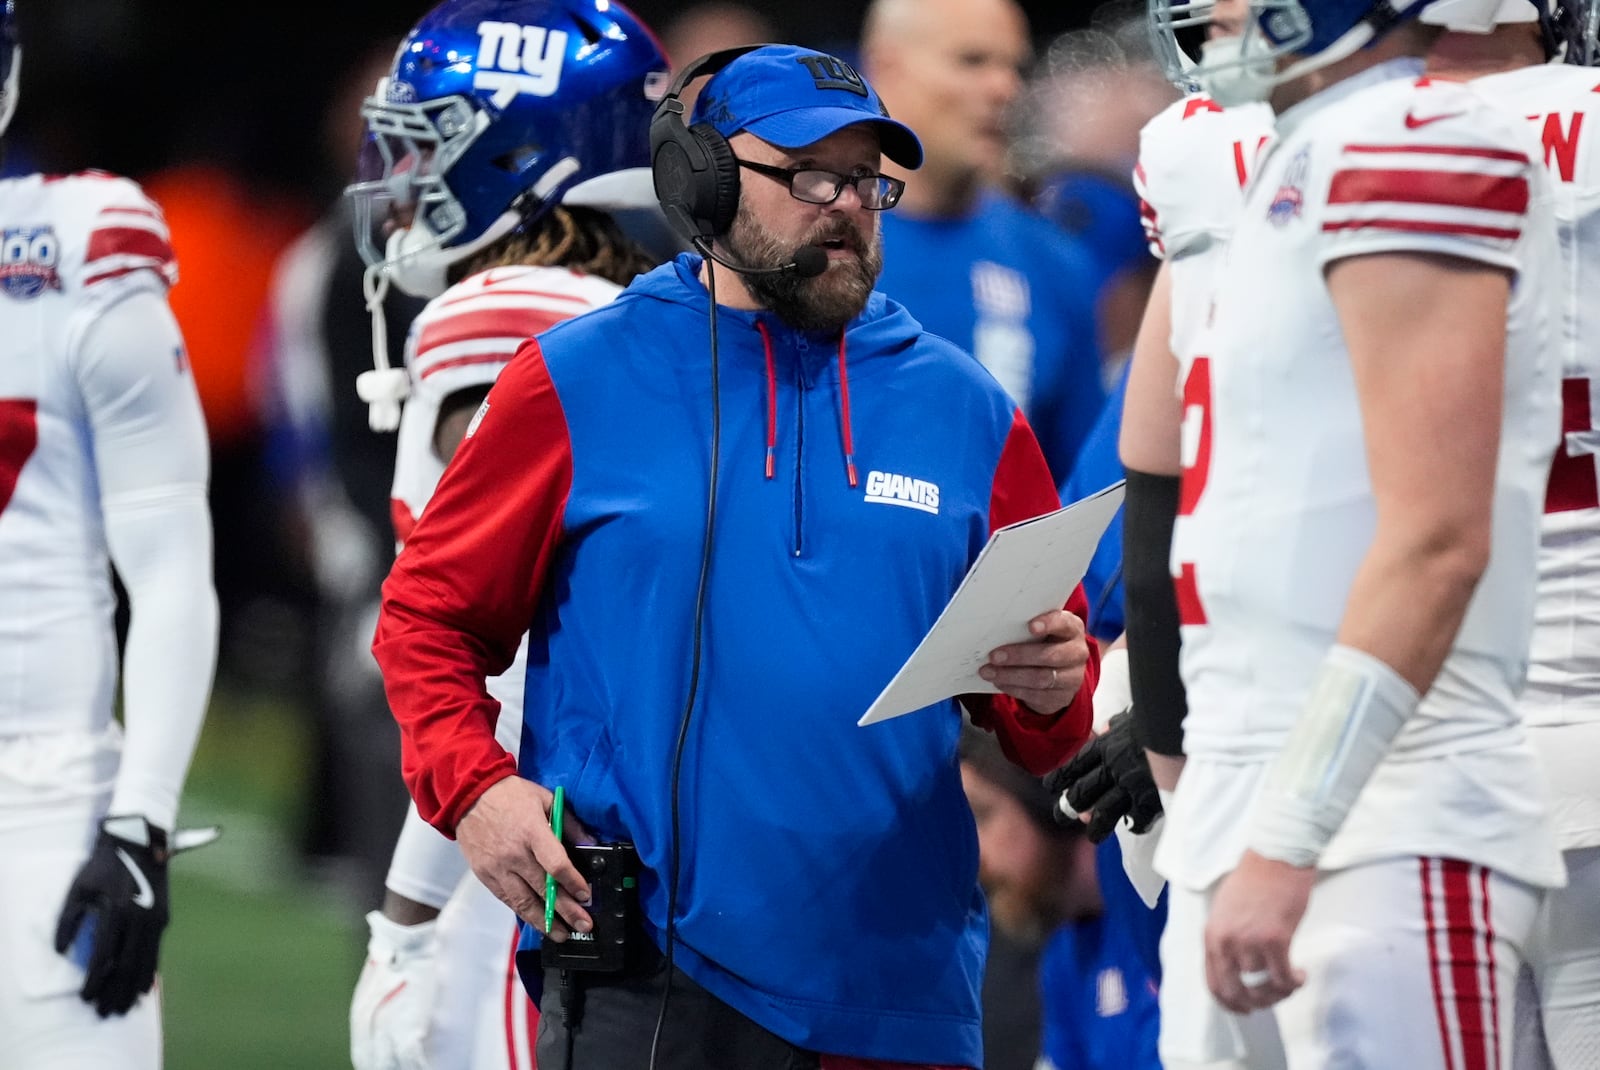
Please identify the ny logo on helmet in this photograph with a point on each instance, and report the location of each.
(516, 59)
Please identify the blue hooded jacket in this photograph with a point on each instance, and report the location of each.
(828, 873)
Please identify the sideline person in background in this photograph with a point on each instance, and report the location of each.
(1072, 974)
(972, 264)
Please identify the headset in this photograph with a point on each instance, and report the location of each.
(696, 175)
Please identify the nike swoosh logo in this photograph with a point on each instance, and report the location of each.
(144, 899)
(1413, 123)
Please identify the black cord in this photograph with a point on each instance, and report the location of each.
(694, 671)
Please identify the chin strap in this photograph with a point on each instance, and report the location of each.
(383, 388)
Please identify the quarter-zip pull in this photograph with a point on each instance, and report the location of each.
(772, 399)
(844, 416)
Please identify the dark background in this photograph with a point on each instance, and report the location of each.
(135, 85)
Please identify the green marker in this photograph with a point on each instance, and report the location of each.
(550, 878)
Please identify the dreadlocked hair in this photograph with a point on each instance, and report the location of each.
(583, 239)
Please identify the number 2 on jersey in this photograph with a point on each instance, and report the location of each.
(1574, 483)
(19, 434)
(1196, 467)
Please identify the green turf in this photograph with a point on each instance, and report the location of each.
(255, 981)
(259, 962)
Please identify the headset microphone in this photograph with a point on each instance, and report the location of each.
(809, 262)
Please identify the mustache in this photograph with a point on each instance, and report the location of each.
(839, 230)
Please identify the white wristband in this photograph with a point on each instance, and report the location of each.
(1356, 707)
(1113, 692)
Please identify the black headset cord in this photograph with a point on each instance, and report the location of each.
(694, 670)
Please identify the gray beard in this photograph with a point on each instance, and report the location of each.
(824, 304)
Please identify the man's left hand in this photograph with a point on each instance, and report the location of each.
(1253, 917)
(1046, 672)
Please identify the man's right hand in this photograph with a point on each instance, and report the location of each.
(507, 839)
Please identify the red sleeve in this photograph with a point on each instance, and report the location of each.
(1039, 743)
(466, 586)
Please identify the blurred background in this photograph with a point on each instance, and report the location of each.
(242, 123)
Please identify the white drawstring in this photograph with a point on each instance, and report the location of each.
(383, 388)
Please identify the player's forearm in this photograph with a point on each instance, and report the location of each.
(1165, 770)
(1411, 594)
(162, 546)
(403, 910)
(1406, 605)
(423, 873)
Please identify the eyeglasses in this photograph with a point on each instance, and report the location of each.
(814, 186)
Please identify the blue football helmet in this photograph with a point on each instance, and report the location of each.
(10, 62)
(1244, 68)
(493, 111)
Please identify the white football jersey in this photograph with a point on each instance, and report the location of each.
(462, 339)
(1277, 509)
(70, 248)
(1563, 103)
(1195, 160)
(1562, 697)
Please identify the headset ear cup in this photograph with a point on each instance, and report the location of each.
(721, 187)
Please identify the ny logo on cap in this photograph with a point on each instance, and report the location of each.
(830, 72)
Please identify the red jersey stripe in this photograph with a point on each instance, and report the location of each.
(1462, 948)
(127, 241)
(583, 303)
(1446, 150)
(501, 357)
(519, 323)
(1424, 226)
(1492, 1030)
(166, 270)
(1457, 189)
(1435, 935)
(148, 213)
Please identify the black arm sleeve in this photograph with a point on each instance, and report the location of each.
(1159, 702)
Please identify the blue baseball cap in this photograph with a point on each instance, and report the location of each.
(794, 97)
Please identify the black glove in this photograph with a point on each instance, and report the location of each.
(1111, 777)
(120, 895)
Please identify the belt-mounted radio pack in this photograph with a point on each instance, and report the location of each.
(612, 870)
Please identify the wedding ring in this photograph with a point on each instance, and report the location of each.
(1254, 978)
